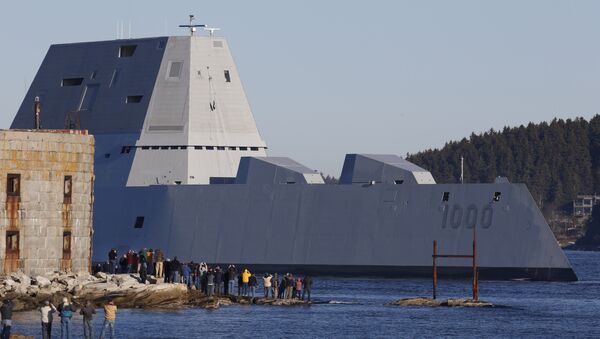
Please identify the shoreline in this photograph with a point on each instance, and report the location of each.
(29, 293)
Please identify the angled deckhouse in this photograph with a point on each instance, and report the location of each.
(180, 165)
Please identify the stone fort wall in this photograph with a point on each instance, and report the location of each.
(46, 200)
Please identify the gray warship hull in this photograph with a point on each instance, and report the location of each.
(180, 166)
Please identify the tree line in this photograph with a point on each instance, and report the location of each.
(557, 160)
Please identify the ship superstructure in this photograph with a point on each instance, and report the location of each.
(181, 166)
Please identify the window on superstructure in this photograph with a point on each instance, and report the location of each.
(227, 76)
(243, 148)
(127, 51)
(497, 196)
(254, 148)
(175, 68)
(197, 147)
(220, 148)
(398, 182)
(446, 196)
(139, 222)
(66, 82)
(210, 148)
(134, 99)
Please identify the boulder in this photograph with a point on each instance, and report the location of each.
(41, 281)
(102, 275)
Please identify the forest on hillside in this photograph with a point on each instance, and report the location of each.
(557, 160)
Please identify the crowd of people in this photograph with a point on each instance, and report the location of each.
(210, 280)
(66, 310)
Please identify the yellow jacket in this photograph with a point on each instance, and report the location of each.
(246, 276)
(110, 312)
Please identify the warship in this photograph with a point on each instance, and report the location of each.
(180, 165)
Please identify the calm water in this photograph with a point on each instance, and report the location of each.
(535, 309)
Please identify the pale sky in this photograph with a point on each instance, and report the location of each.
(326, 78)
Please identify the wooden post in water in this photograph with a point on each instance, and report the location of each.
(475, 278)
(434, 256)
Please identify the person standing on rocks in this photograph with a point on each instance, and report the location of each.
(307, 284)
(88, 314)
(210, 283)
(6, 312)
(112, 261)
(253, 284)
(267, 283)
(46, 312)
(298, 288)
(187, 272)
(150, 262)
(129, 261)
(175, 270)
(245, 280)
(275, 284)
(231, 277)
(65, 310)
(289, 286)
(143, 269)
(167, 271)
(123, 264)
(110, 315)
(218, 281)
(159, 259)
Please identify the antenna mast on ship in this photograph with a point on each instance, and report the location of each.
(191, 26)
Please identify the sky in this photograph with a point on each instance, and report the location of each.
(327, 78)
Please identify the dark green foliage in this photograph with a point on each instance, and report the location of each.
(557, 160)
(592, 235)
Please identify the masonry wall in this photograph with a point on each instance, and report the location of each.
(44, 212)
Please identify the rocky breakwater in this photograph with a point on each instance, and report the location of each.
(429, 302)
(125, 289)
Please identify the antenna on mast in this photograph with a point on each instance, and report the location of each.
(191, 26)
(211, 30)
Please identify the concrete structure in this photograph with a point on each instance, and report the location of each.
(180, 165)
(46, 199)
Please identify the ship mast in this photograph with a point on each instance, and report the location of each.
(191, 26)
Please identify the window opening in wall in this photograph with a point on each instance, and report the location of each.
(243, 148)
(175, 69)
(232, 148)
(227, 77)
(446, 196)
(125, 149)
(89, 97)
(290, 182)
(133, 99)
(67, 189)
(114, 78)
(497, 196)
(139, 222)
(164, 147)
(177, 182)
(398, 182)
(220, 148)
(145, 147)
(197, 147)
(71, 82)
(13, 185)
(174, 147)
(254, 148)
(182, 147)
(155, 147)
(210, 148)
(12, 241)
(127, 51)
(66, 245)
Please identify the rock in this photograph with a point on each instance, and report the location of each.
(21, 278)
(279, 302)
(101, 275)
(20, 336)
(466, 303)
(418, 301)
(429, 302)
(41, 281)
